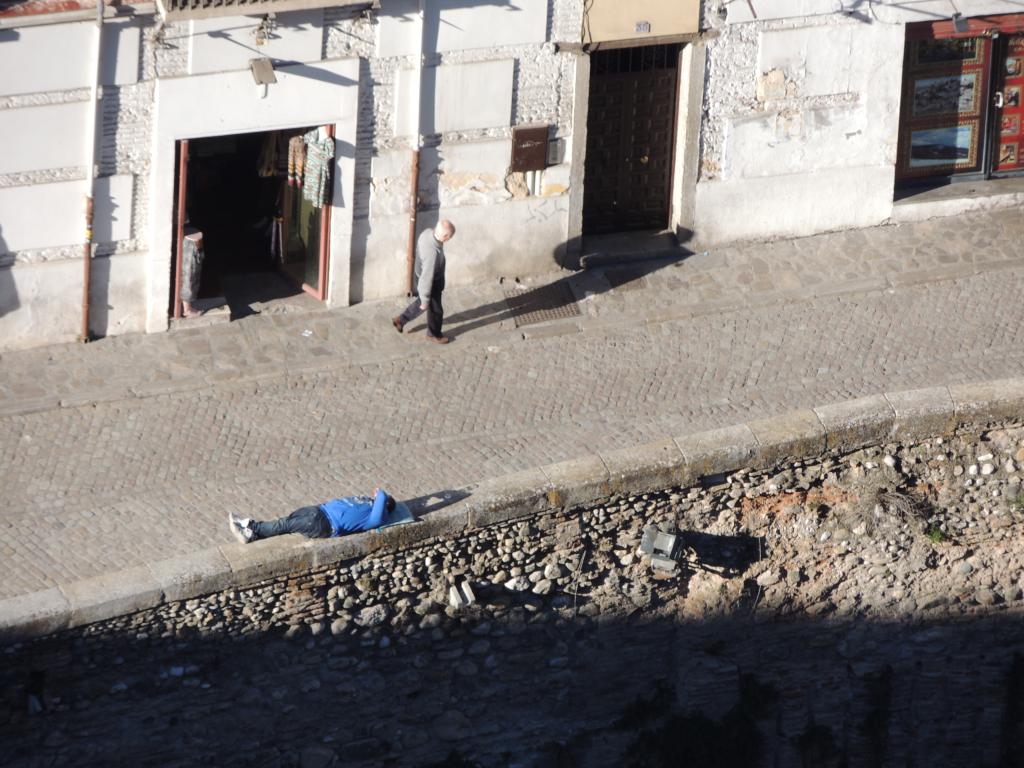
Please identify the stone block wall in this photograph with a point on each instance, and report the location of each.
(857, 608)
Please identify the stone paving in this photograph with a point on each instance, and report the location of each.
(133, 448)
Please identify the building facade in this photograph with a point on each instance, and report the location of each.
(532, 124)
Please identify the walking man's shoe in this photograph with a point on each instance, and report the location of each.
(397, 322)
(438, 339)
(240, 528)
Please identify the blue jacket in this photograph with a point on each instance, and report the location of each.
(355, 513)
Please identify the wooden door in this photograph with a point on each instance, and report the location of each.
(630, 132)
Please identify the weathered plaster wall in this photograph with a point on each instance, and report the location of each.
(801, 125)
(369, 245)
(465, 171)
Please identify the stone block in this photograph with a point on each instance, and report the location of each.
(268, 559)
(718, 450)
(793, 435)
(33, 615)
(199, 573)
(576, 482)
(922, 413)
(649, 467)
(988, 402)
(857, 423)
(340, 549)
(450, 521)
(117, 593)
(506, 498)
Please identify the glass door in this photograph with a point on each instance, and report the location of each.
(944, 107)
(1009, 106)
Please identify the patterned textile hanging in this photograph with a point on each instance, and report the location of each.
(319, 153)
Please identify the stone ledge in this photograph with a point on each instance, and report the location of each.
(922, 413)
(718, 450)
(988, 402)
(645, 468)
(577, 481)
(790, 436)
(111, 594)
(34, 614)
(199, 573)
(910, 415)
(857, 423)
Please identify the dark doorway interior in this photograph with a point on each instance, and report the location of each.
(234, 198)
(630, 139)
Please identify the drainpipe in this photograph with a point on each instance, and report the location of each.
(90, 132)
(415, 159)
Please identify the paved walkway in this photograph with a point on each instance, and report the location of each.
(132, 449)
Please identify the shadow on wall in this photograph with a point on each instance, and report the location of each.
(99, 297)
(8, 290)
(519, 679)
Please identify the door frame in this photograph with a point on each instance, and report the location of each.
(181, 200)
(686, 147)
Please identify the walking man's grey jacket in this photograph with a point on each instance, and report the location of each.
(429, 264)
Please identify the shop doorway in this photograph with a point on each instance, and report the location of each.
(261, 204)
(962, 113)
(630, 139)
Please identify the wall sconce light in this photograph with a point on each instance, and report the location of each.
(959, 22)
(262, 71)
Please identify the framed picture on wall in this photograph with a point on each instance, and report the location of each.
(1013, 96)
(1009, 125)
(945, 95)
(932, 52)
(1013, 67)
(1008, 154)
(952, 146)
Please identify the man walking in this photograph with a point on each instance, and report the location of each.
(429, 273)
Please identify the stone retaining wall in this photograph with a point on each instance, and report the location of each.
(848, 593)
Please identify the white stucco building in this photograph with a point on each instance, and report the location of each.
(531, 123)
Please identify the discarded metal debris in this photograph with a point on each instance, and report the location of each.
(661, 547)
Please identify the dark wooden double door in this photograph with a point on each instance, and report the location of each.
(630, 132)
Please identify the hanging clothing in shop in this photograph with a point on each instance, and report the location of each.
(267, 164)
(319, 153)
(296, 160)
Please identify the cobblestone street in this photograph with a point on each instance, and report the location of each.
(133, 449)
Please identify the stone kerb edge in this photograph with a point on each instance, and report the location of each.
(665, 463)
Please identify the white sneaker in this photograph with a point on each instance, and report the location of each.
(240, 528)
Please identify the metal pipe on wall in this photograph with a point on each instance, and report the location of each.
(90, 176)
(415, 161)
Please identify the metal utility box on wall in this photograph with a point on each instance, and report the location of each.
(529, 148)
(608, 20)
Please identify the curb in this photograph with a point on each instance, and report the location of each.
(665, 463)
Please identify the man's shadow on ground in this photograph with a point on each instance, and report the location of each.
(431, 502)
(555, 296)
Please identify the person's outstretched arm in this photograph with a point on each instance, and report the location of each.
(377, 513)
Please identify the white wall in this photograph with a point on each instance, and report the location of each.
(47, 215)
(60, 56)
(877, 11)
(219, 104)
(456, 97)
(454, 25)
(223, 44)
(802, 128)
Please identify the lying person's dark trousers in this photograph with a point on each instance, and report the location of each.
(309, 521)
